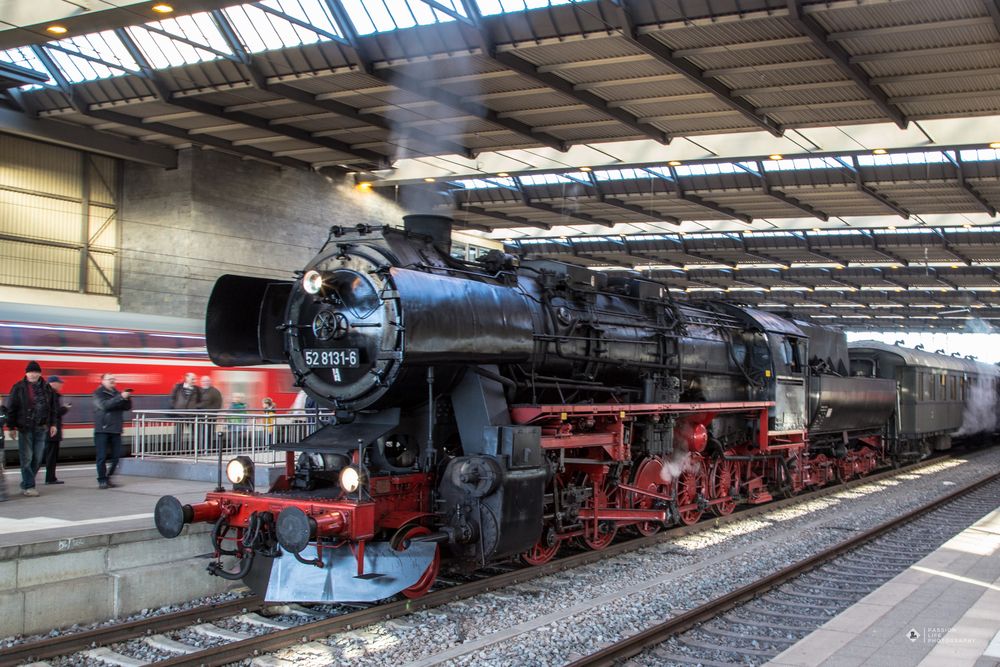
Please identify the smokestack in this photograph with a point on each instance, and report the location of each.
(438, 227)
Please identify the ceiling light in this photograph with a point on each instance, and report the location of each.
(879, 151)
(585, 169)
(967, 226)
(892, 228)
(162, 8)
(816, 229)
(674, 163)
(503, 174)
(995, 144)
(364, 186)
(748, 231)
(57, 29)
(428, 180)
(775, 156)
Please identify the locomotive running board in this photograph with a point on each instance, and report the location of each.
(337, 580)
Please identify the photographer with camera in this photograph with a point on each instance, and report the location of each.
(110, 406)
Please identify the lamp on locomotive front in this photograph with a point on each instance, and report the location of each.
(239, 471)
(351, 479)
(312, 282)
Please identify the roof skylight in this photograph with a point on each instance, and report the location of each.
(493, 7)
(184, 40)
(276, 24)
(23, 56)
(371, 16)
(89, 57)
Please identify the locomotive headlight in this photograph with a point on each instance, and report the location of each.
(350, 479)
(240, 470)
(312, 282)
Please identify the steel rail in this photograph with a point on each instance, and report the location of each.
(67, 644)
(249, 648)
(657, 634)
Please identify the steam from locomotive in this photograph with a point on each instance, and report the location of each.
(499, 409)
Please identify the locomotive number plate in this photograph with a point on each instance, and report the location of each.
(343, 358)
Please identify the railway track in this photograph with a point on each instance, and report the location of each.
(231, 646)
(70, 643)
(760, 620)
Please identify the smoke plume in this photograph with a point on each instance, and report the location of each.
(980, 407)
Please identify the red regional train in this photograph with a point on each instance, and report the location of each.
(148, 353)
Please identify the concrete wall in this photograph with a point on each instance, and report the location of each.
(217, 214)
(84, 579)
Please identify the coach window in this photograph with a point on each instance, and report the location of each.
(8, 335)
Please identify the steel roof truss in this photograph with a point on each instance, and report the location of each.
(769, 190)
(241, 117)
(303, 97)
(488, 46)
(700, 255)
(512, 220)
(81, 106)
(882, 250)
(822, 255)
(422, 88)
(947, 245)
(558, 210)
(956, 161)
(842, 59)
(865, 189)
(603, 198)
(698, 201)
(665, 55)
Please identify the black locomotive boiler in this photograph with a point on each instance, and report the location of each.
(498, 409)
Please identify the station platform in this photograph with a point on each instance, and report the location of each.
(77, 554)
(943, 611)
(78, 508)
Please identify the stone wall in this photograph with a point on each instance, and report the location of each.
(217, 214)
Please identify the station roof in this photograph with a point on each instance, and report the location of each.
(366, 83)
(716, 134)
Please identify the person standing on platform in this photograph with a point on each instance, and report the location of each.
(3, 482)
(30, 417)
(211, 399)
(110, 406)
(51, 457)
(186, 395)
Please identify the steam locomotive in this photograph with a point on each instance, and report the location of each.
(500, 409)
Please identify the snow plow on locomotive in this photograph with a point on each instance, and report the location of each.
(492, 410)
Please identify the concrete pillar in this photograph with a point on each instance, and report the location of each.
(217, 214)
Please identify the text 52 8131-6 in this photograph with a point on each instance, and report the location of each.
(343, 358)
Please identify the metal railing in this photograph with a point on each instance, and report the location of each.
(204, 434)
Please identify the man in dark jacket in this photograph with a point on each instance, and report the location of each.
(186, 395)
(211, 398)
(31, 416)
(3, 422)
(51, 457)
(109, 416)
